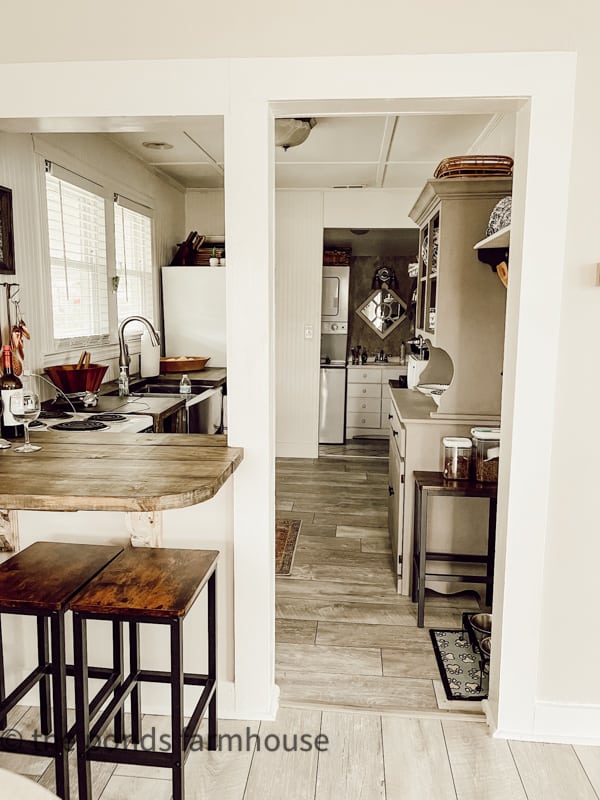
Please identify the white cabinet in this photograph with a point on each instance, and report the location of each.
(460, 303)
(457, 525)
(367, 399)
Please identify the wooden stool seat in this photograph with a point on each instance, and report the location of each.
(151, 586)
(167, 582)
(40, 581)
(46, 575)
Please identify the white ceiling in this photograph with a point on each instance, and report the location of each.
(389, 151)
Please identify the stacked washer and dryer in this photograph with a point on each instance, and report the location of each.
(334, 340)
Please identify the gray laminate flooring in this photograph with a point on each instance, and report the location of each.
(345, 638)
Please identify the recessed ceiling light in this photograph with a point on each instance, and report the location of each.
(157, 145)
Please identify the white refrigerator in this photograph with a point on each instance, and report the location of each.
(194, 312)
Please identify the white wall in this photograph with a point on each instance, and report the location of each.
(205, 211)
(298, 270)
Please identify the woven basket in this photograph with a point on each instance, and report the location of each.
(474, 166)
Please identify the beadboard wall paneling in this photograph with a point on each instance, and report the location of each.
(18, 172)
(205, 211)
(298, 270)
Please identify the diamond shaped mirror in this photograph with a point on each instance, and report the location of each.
(383, 311)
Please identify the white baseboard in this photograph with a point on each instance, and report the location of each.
(561, 724)
(296, 450)
(242, 712)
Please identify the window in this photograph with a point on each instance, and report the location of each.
(133, 248)
(78, 266)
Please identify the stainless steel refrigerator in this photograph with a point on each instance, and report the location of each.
(332, 404)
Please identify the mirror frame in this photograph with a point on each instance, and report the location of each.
(370, 299)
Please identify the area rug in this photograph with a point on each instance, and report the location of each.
(286, 539)
(460, 665)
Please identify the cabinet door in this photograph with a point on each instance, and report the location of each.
(396, 504)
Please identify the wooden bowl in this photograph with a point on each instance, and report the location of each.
(71, 380)
(183, 363)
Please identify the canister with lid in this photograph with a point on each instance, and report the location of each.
(486, 444)
(456, 454)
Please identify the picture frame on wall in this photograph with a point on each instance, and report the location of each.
(7, 247)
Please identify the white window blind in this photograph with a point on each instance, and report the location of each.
(133, 246)
(78, 269)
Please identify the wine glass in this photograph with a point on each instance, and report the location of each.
(25, 408)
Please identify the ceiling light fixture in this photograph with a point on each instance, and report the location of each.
(359, 231)
(157, 145)
(292, 132)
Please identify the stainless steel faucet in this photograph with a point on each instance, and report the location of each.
(124, 358)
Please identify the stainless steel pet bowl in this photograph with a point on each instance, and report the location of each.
(482, 623)
(486, 646)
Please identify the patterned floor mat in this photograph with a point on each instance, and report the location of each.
(460, 665)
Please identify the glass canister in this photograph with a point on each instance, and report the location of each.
(456, 454)
(486, 445)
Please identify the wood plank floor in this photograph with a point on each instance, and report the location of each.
(345, 638)
(357, 756)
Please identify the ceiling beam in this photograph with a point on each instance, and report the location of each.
(384, 150)
(212, 161)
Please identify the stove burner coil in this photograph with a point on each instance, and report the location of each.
(80, 425)
(57, 414)
(110, 417)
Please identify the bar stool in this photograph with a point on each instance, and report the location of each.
(39, 581)
(156, 586)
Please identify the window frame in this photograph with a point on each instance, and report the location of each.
(54, 351)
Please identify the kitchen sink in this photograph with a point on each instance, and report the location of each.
(154, 388)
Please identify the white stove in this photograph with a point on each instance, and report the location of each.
(56, 421)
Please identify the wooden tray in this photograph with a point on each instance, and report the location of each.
(183, 363)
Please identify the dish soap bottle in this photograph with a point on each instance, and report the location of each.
(185, 386)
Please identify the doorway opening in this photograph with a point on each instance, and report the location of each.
(343, 630)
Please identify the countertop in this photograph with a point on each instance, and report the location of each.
(123, 472)
(413, 406)
(211, 377)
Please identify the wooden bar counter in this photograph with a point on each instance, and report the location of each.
(140, 489)
(115, 472)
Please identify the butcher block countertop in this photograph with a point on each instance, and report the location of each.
(123, 472)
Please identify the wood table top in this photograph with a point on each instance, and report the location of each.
(116, 472)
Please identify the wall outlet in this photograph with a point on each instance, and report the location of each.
(308, 331)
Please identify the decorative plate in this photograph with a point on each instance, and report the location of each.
(425, 249)
(500, 216)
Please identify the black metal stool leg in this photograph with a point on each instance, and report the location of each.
(212, 660)
(177, 748)
(422, 556)
(82, 714)
(43, 647)
(59, 701)
(491, 553)
(2, 684)
(117, 638)
(134, 666)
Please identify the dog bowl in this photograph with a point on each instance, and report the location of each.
(486, 646)
(482, 623)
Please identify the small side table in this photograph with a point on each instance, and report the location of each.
(433, 484)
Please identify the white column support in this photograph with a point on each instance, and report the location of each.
(145, 528)
(9, 531)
